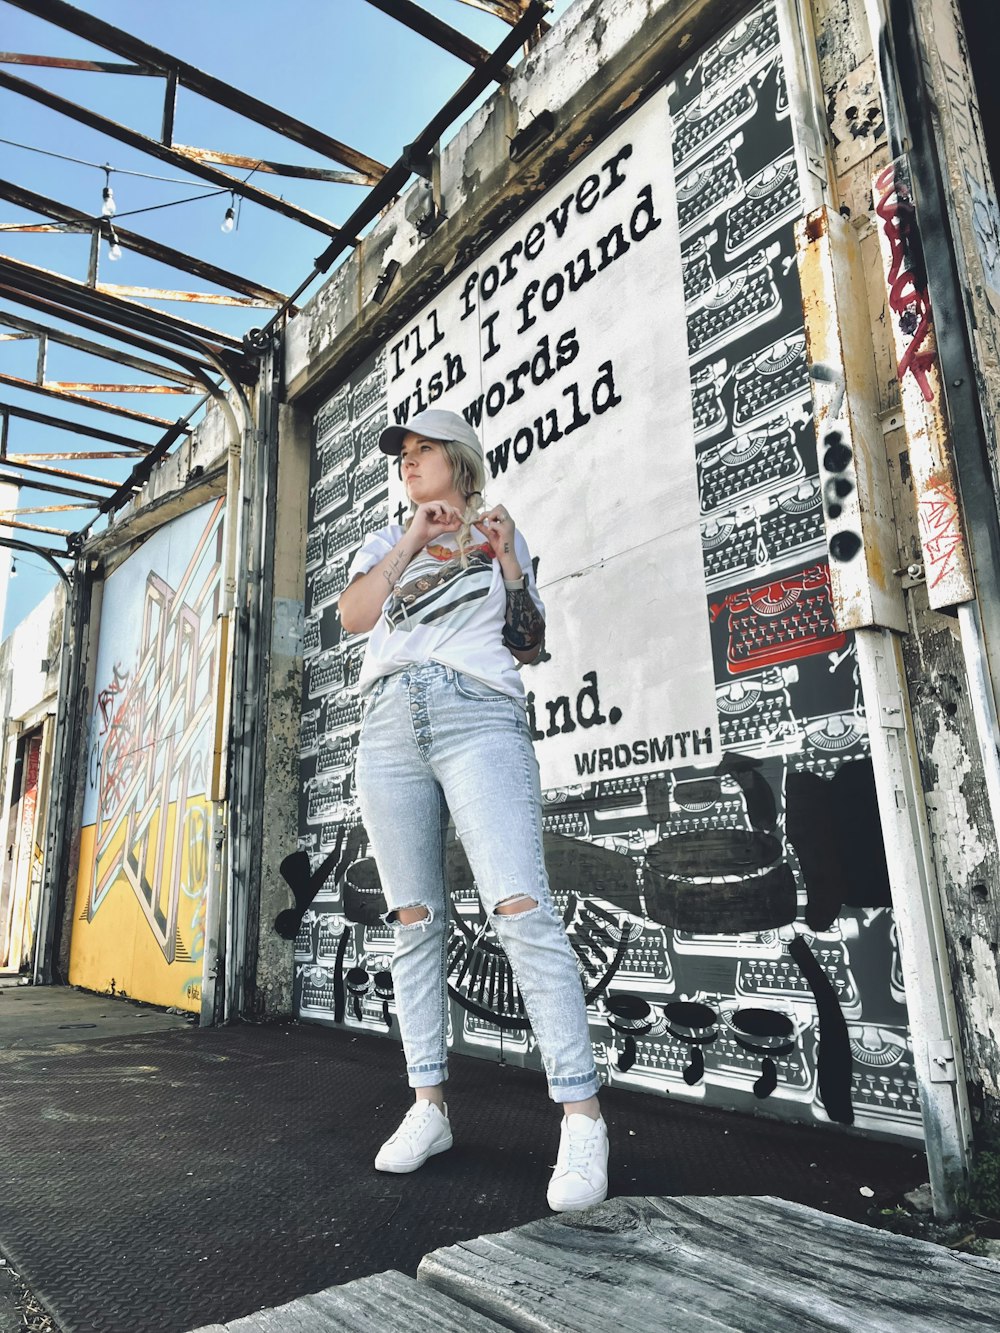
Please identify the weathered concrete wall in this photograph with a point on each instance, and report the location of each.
(273, 982)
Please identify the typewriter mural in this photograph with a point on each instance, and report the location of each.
(145, 842)
(723, 880)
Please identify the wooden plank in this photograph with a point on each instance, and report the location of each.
(689, 1265)
(368, 1305)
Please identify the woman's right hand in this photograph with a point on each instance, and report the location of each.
(430, 520)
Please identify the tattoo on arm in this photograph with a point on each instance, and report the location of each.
(392, 569)
(523, 627)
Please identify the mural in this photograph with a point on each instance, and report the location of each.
(145, 843)
(20, 884)
(711, 830)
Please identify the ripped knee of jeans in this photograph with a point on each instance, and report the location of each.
(408, 917)
(520, 905)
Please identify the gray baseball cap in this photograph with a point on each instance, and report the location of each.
(434, 424)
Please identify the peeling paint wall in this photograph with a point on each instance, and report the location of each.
(963, 837)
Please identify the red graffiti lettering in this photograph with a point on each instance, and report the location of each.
(908, 297)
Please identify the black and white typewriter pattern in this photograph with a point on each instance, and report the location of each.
(727, 921)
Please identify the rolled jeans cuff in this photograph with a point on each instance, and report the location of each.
(578, 1089)
(426, 1076)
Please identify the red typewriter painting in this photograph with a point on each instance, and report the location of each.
(780, 621)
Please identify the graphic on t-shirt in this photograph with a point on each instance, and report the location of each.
(439, 588)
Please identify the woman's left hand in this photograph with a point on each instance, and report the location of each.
(498, 526)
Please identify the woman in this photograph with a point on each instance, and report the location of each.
(451, 603)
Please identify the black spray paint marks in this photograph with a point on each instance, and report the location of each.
(631, 1016)
(834, 826)
(763, 900)
(758, 793)
(696, 1024)
(339, 994)
(767, 1033)
(304, 886)
(833, 1062)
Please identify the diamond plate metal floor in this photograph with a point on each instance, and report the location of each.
(170, 1179)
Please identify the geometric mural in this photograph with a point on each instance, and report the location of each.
(711, 830)
(145, 844)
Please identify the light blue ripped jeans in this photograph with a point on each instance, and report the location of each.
(434, 740)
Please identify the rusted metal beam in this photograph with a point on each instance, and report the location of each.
(64, 473)
(398, 174)
(103, 125)
(12, 479)
(140, 473)
(32, 527)
(29, 386)
(42, 509)
(92, 432)
(196, 366)
(75, 386)
(441, 34)
(189, 298)
(141, 245)
(81, 296)
(46, 552)
(75, 454)
(122, 43)
(260, 164)
(62, 62)
(38, 227)
(29, 328)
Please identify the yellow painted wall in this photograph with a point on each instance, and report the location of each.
(114, 949)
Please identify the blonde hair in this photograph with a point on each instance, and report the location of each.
(468, 476)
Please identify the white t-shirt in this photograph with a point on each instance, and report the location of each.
(440, 612)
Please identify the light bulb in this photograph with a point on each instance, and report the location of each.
(229, 222)
(13, 570)
(114, 251)
(109, 205)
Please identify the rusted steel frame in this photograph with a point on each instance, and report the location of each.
(140, 473)
(122, 43)
(196, 367)
(41, 509)
(65, 454)
(509, 11)
(260, 164)
(154, 148)
(31, 329)
(29, 386)
(141, 245)
(32, 527)
(46, 553)
(14, 337)
(92, 432)
(189, 298)
(36, 228)
(62, 472)
(13, 480)
(441, 34)
(74, 386)
(61, 62)
(29, 277)
(399, 173)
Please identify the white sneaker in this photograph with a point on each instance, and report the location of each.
(424, 1131)
(580, 1178)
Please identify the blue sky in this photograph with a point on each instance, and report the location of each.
(339, 65)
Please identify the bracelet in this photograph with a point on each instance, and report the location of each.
(516, 585)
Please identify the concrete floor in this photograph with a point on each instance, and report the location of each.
(32, 1016)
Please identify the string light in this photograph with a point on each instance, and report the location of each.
(108, 207)
(13, 569)
(114, 249)
(229, 222)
